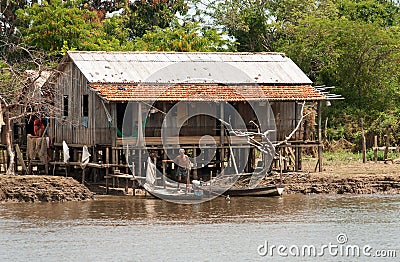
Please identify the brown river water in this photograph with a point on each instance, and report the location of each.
(292, 227)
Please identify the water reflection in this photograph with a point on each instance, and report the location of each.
(237, 210)
(132, 229)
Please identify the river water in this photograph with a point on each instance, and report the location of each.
(292, 227)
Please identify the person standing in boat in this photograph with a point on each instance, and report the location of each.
(183, 166)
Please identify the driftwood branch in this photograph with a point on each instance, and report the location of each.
(266, 146)
(296, 128)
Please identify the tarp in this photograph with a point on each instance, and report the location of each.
(150, 172)
(85, 156)
(65, 151)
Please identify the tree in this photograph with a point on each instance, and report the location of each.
(145, 15)
(385, 13)
(58, 26)
(20, 95)
(190, 37)
(257, 25)
(54, 26)
(357, 54)
(350, 44)
(8, 18)
(359, 58)
(249, 22)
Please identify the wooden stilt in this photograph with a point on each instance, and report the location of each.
(83, 176)
(319, 137)
(376, 149)
(20, 158)
(194, 164)
(107, 169)
(364, 145)
(296, 149)
(222, 135)
(387, 143)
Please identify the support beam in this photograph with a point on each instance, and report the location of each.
(222, 134)
(319, 137)
(296, 150)
(364, 143)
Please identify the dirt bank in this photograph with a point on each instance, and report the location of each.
(345, 178)
(42, 189)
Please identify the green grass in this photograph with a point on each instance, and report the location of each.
(343, 157)
(381, 153)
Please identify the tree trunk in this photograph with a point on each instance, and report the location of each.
(10, 150)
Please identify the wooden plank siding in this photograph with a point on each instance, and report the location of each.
(99, 131)
(73, 84)
(286, 119)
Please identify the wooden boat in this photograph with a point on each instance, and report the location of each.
(198, 190)
(177, 194)
(262, 191)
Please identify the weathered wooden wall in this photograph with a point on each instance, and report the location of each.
(74, 128)
(287, 115)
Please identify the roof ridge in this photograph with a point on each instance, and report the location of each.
(172, 52)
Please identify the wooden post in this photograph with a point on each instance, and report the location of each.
(387, 143)
(376, 149)
(20, 158)
(133, 179)
(140, 166)
(364, 146)
(67, 169)
(83, 176)
(296, 149)
(326, 128)
(107, 170)
(164, 172)
(285, 160)
(299, 157)
(319, 137)
(222, 135)
(140, 142)
(194, 164)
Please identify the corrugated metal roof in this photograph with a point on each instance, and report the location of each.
(151, 67)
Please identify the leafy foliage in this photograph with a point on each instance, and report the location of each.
(350, 44)
(58, 26)
(190, 37)
(52, 25)
(248, 22)
(145, 15)
(8, 17)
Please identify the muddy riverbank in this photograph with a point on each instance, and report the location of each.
(360, 184)
(42, 189)
(344, 178)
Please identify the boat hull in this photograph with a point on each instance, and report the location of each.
(175, 194)
(264, 191)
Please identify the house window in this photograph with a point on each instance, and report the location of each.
(85, 105)
(85, 110)
(65, 106)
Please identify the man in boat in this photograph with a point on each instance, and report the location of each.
(183, 166)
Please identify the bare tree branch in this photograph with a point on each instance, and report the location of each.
(266, 146)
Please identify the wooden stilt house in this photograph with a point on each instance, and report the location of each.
(139, 99)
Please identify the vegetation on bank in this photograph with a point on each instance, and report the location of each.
(349, 157)
(350, 44)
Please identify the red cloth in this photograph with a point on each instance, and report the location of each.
(38, 127)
